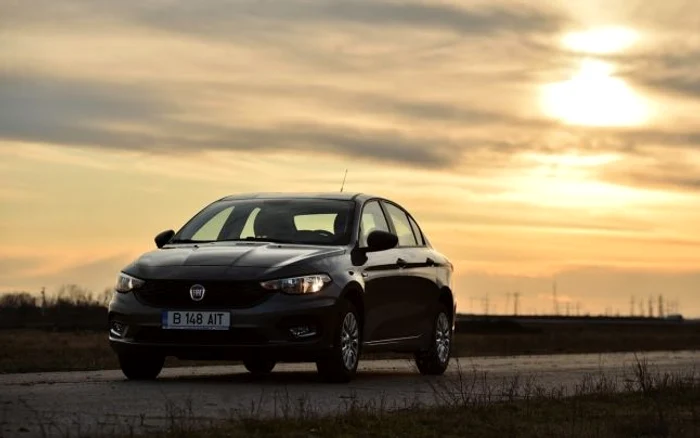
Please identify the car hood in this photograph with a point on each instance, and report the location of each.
(238, 254)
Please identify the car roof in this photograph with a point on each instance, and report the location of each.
(337, 196)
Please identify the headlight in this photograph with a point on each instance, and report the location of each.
(309, 284)
(127, 283)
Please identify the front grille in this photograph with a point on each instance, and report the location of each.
(235, 336)
(175, 294)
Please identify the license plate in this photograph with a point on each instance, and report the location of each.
(196, 320)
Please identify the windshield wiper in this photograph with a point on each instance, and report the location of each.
(256, 239)
(247, 239)
(191, 241)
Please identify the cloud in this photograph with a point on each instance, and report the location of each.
(670, 69)
(377, 144)
(135, 118)
(63, 111)
(662, 174)
(468, 113)
(658, 159)
(375, 112)
(681, 85)
(227, 17)
(539, 220)
(678, 137)
(445, 111)
(690, 183)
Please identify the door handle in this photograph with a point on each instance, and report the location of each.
(401, 263)
(430, 262)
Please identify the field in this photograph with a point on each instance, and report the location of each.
(34, 350)
(68, 332)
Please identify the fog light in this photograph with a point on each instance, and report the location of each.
(117, 329)
(303, 331)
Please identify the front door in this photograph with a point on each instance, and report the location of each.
(385, 303)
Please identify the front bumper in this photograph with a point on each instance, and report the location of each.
(263, 330)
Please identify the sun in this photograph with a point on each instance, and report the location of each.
(602, 40)
(594, 97)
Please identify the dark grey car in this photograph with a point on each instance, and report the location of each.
(287, 277)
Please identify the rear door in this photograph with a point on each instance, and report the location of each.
(417, 269)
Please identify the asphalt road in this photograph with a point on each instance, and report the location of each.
(101, 403)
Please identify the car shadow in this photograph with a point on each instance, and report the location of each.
(290, 377)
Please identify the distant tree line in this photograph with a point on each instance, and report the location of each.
(71, 308)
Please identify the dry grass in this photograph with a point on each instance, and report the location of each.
(614, 416)
(645, 405)
(36, 350)
(591, 340)
(28, 351)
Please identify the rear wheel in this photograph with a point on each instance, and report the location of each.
(141, 367)
(435, 359)
(341, 363)
(258, 366)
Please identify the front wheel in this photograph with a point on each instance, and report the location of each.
(435, 359)
(341, 363)
(141, 367)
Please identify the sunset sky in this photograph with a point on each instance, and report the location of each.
(532, 141)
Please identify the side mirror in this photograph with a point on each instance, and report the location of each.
(381, 241)
(164, 238)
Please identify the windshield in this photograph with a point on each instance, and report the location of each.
(302, 221)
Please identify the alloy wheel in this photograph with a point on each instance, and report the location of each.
(442, 337)
(350, 341)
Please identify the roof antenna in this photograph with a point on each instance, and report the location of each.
(343, 185)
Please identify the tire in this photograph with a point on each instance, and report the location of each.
(340, 365)
(434, 360)
(141, 367)
(259, 367)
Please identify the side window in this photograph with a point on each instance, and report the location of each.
(402, 225)
(212, 229)
(372, 219)
(417, 232)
